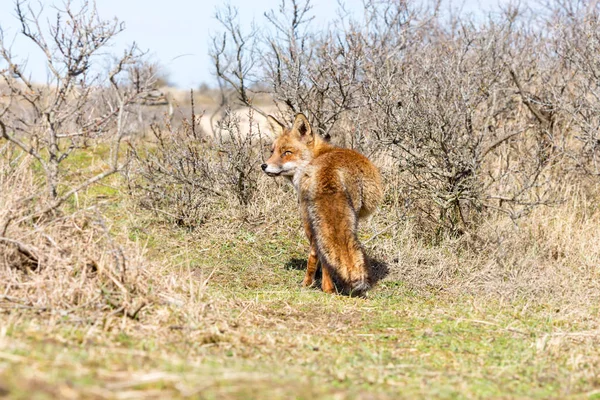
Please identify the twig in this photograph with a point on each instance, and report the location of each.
(123, 310)
(23, 248)
(384, 230)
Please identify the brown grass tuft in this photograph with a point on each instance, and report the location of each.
(80, 267)
(549, 257)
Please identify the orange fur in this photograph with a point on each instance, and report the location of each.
(335, 188)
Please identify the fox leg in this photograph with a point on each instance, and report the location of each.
(326, 282)
(311, 265)
(313, 259)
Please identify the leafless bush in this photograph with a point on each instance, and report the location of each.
(574, 39)
(450, 115)
(174, 179)
(82, 100)
(187, 173)
(239, 155)
(299, 70)
(68, 252)
(475, 116)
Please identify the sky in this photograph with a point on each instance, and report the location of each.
(176, 33)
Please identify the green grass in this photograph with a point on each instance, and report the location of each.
(305, 343)
(259, 335)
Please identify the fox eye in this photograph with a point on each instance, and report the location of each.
(286, 153)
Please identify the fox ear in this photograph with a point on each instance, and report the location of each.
(302, 127)
(276, 126)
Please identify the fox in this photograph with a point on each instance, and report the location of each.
(336, 188)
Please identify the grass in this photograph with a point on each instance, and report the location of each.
(227, 319)
(281, 343)
(274, 340)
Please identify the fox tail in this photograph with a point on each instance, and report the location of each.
(333, 222)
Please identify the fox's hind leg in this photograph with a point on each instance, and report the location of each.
(313, 261)
(327, 283)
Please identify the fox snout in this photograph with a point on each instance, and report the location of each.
(271, 170)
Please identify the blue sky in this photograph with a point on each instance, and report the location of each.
(177, 33)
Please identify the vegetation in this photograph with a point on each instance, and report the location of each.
(143, 253)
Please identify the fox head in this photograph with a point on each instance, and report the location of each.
(292, 149)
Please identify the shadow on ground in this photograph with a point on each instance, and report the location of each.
(295, 264)
(379, 269)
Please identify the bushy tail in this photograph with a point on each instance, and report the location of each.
(333, 222)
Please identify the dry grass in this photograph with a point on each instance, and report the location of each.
(120, 303)
(195, 292)
(78, 267)
(551, 256)
(217, 312)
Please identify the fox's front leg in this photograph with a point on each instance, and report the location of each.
(313, 259)
(311, 266)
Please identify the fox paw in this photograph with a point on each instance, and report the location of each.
(308, 283)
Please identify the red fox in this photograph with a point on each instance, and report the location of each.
(335, 187)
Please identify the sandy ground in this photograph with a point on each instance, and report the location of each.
(206, 105)
(209, 121)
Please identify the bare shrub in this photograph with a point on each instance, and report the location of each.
(450, 116)
(186, 173)
(468, 118)
(289, 61)
(83, 99)
(54, 255)
(574, 39)
(239, 154)
(173, 178)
